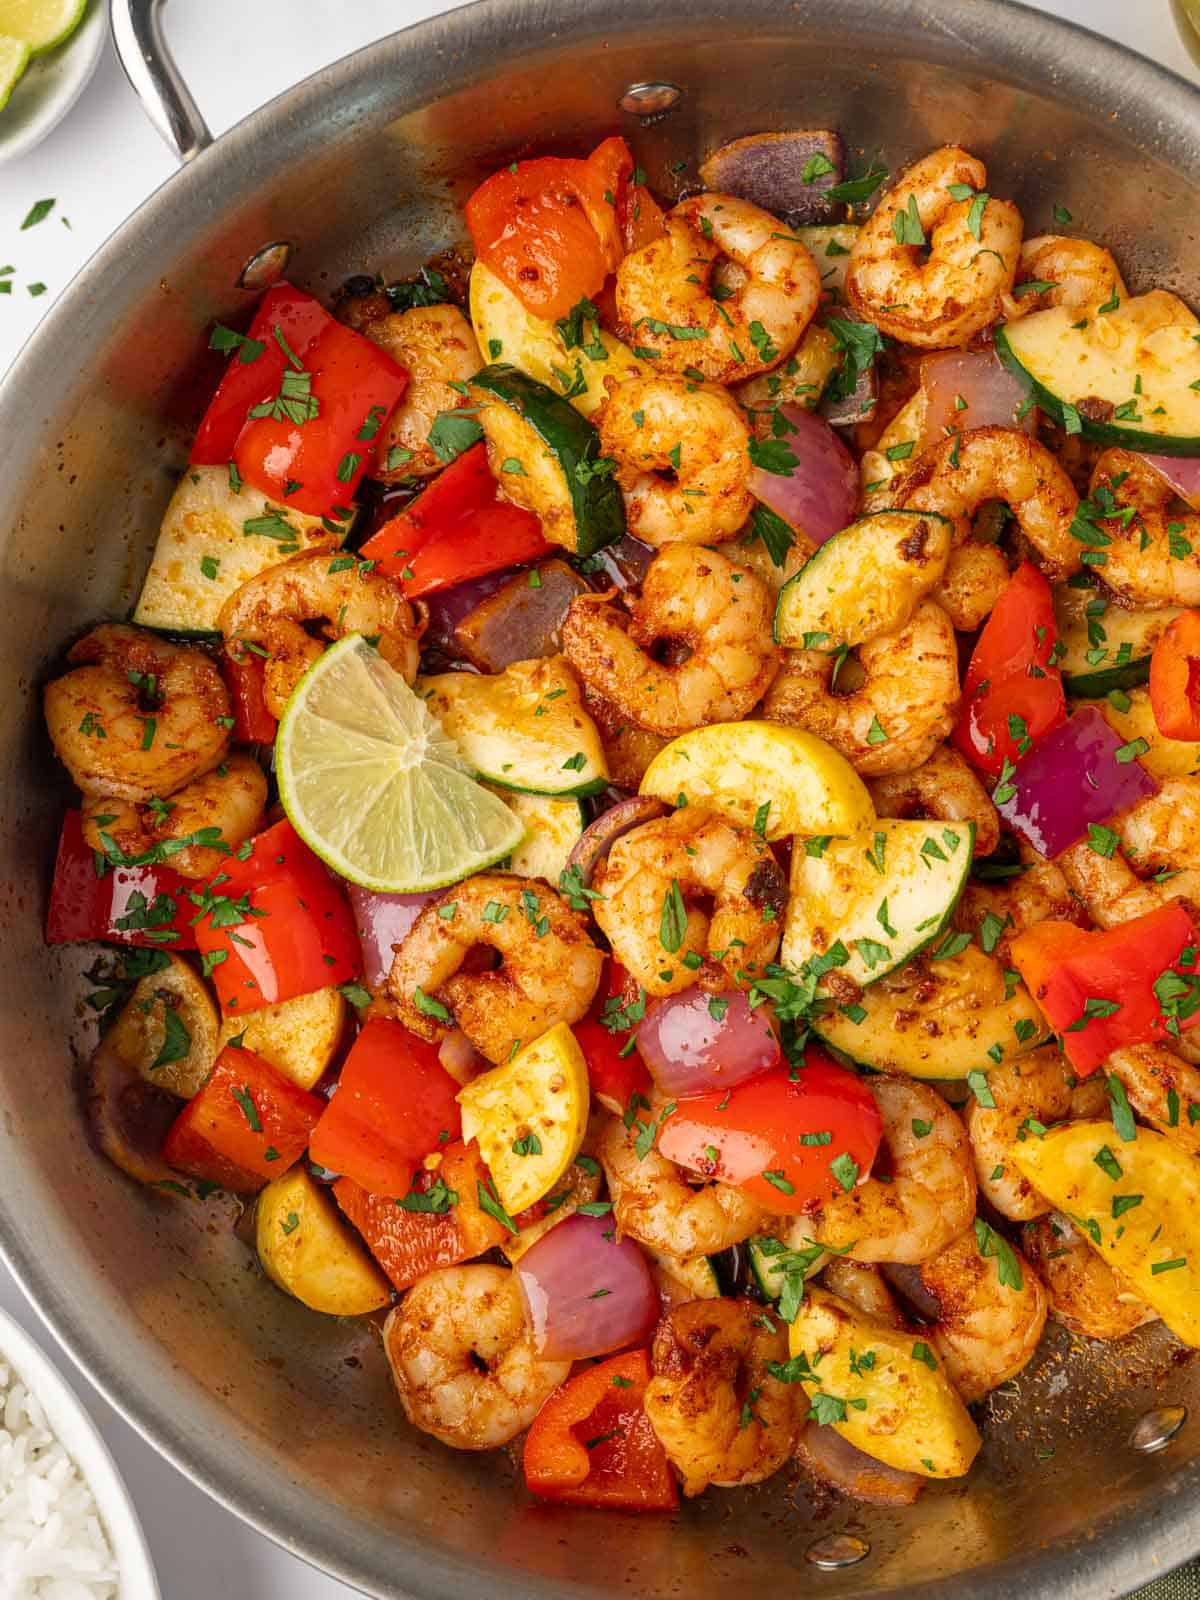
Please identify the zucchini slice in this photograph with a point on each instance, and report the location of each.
(1132, 717)
(205, 551)
(938, 1019)
(1123, 372)
(548, 458)
(1101, 647)
(552, 829)
(524, 728)
(865, 581)
(882, 893)
(771, 1259)
(507, 332)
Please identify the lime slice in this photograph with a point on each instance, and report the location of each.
(373, 785)
(14, 58)
(42, 24)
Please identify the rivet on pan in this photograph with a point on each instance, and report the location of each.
(649, 99)
(265, 266)
(837, 1550)
(1157, 1428)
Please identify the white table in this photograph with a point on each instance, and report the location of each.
(99, 165)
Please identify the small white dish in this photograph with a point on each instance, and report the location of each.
(79, 1436)
(51, 84)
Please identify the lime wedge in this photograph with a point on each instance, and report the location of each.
(42, 24)
(14, 58)
(373, 785)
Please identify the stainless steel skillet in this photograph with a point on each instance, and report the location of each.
(285, 1417)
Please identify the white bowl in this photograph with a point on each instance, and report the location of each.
(78, 1435)
(51, 84)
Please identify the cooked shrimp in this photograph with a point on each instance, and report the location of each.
(1162, 832)
(436, 347)
(1078, 272)
(628, 749)
(1029, 1094)
(136, 717)
(905, 708)
(697, 599)
(655, 1204)
(681, 450)
(231, 798)
(549, 966)
(922, 1193)
(649, 882)
(665, 300)
(1111, 891)
(1030, 897)
(943, 787)
(722, 1418)
(462, 1358)
(1151, 552)
(957, 476)
(973, 249)
(986, 1331)
(1162, 1088)
(976, 576)
(275, 609)
(863, 1286)
(1084, 1293)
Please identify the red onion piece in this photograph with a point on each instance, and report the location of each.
(129, 1117)
(819, 494)
(382, 920)
(448, 607)
(519, 621)
(778, 172)
(1182, 473)
(621, 565)
(695, 1042)
(460, 1058)
(1073, 778)
(993, 396)
(835, 1461)
(586, 1291)
(598, 838)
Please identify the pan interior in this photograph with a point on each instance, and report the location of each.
(286, 1415)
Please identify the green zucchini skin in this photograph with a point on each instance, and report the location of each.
(1108, 433)
(591, 503)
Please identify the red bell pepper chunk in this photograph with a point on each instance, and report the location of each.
(128, 905)
(1132, 984)
(592, 1443)
(1175, 678)
(245, 680)
(758, 1135)
(247, 1125)
(409, 1243)
(1012, 695)
(615, 1071)
(456, 529)
(551, 228)
(275, 925)
(253, 377)
(308, 359)
(394, 1105)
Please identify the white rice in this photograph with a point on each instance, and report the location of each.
(52, 1545)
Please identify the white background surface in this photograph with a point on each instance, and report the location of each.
(99, 164)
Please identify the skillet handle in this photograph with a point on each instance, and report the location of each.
(150, 67)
